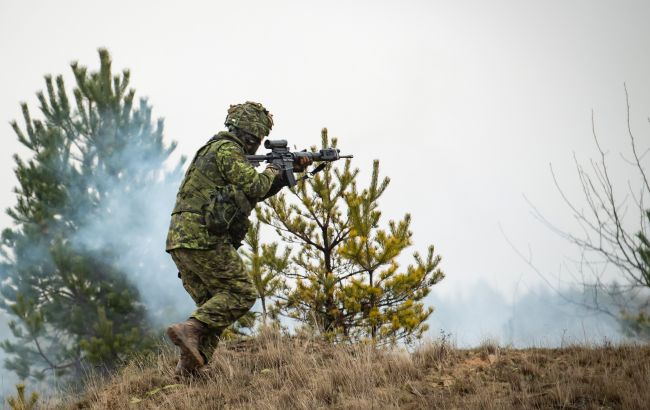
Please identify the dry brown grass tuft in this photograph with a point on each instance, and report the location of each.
(272, 371)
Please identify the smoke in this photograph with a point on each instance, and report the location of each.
(539, 317)
(8, 379)
(133, 232)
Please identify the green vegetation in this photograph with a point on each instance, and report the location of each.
(72, 305)
(20, 402)
(267, 268)
(346, 281)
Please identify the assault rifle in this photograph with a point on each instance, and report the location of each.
(284, 159)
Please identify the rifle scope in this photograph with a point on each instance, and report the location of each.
(270, 144)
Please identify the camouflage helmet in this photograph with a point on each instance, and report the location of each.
(251, 117)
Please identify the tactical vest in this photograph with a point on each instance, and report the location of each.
(204, 191)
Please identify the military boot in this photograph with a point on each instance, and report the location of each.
(187, 335)
(186, 367)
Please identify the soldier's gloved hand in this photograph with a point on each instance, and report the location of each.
(273, 167)
(301, 163)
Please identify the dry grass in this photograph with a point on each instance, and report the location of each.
(275, 372)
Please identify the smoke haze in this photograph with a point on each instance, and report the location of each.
(134, 231)
(537, 317)
(7, 379)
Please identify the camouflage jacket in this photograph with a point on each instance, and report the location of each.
(219, 162)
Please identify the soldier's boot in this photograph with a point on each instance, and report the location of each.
(187, 335)
(185, 365)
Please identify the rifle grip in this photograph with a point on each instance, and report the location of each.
(291, 179)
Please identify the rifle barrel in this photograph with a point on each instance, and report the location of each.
(256, 157)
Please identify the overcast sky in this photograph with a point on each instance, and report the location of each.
(465, 103)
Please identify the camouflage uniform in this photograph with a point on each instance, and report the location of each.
(209, 266)
(217, 282)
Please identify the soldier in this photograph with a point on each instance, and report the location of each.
(209, 266)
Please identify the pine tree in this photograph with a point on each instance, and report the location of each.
(389, 300)
(637, 322)
(20, 401)
(72, 304)
(265, 267)
(348, 283)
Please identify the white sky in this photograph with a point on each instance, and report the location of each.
(465, 103)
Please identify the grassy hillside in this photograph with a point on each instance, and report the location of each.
(275, 372)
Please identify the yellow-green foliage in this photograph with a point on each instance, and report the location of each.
(20, 402)
(265, 267)
(348, 283)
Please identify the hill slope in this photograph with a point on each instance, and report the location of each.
(276, 372)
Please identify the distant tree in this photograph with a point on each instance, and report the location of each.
(346, 280)
(72, 304)
(614, 267)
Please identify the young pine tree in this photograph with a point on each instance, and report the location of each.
(71, 302)
(266, 268)
(388, 302)
(348, 283)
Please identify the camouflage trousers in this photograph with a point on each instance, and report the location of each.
(217, 282)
